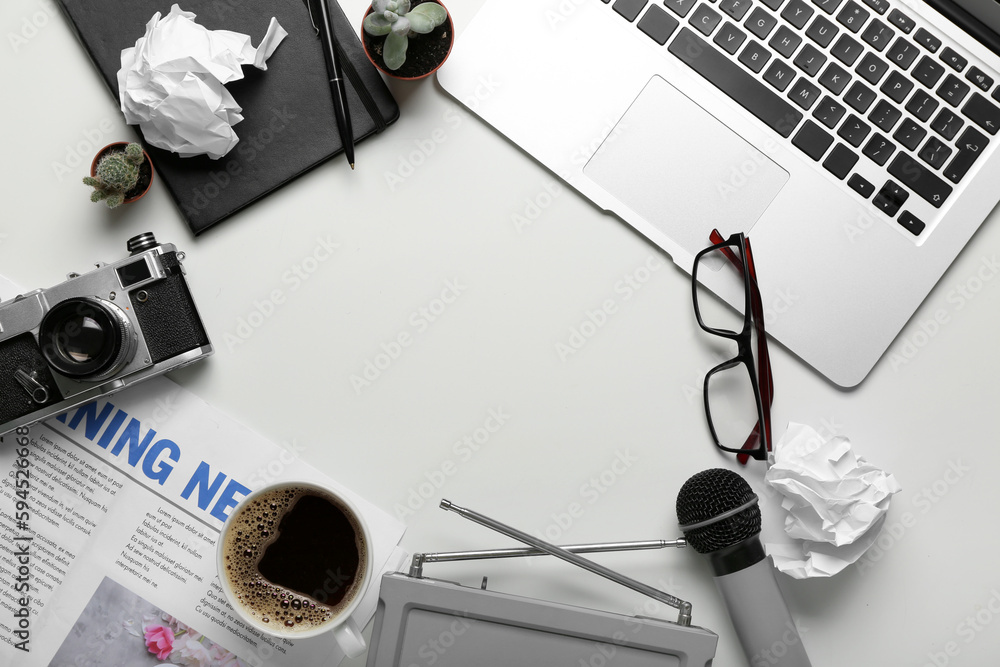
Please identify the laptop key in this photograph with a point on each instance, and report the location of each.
(822, 31)
(980, 79)
(705, 19)
(680, 7)
(829, 112)
(658, 24)
(878, 149)
(970, 146)
(847, 50)
(755, 56)
(918, 178)
(885, 116)
(736, 9)
(953, 59)
(910, 134)
(797, 13)
(812, 140)
(890, 198)
(772, 4)
(901, 21)
(911, 223)
(629, 9)
(730, 38)
(902, 53)
(928, 72)
(953, 90)
(804, 94)
(872, 68)
(828, 6)
(922, 105)
(785, 41)
(861, 186)
(927, 40)
(860, 97)
(810, 60)
(779, 74)
(877, 35)
(852, 16)
(735, 82)
(897, 87)
(881, 6)
(840, 161)
(934, 153)
(760, 23)
(983, 113)
(947, 124)
(854, 130)
(834, 78)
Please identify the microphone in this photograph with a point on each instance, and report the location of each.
(718, 514)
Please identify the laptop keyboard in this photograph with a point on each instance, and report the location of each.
(853, 84)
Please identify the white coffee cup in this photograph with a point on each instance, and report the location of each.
(343, 627)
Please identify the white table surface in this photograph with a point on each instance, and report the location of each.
(631, 393)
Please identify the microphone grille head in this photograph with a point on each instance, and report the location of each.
(710, 494)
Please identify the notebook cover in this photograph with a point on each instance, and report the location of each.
(289, 125)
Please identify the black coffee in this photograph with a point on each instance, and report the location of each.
(294, 557)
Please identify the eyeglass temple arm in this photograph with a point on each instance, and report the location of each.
(765, 379)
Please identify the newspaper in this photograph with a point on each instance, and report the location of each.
(110, 517)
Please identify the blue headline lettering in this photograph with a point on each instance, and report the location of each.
(156, 457)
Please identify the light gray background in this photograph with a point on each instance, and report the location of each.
(629, 394)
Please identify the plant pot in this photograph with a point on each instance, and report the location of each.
(145, 171)
(424, 55)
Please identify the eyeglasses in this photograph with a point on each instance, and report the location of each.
(738, 392)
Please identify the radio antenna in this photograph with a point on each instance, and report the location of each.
(566, 554)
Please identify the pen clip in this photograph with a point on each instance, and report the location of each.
(311, 19)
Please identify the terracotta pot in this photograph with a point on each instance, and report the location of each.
(146, 168)
(373, 46)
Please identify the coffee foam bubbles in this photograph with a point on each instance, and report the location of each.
(253, 527)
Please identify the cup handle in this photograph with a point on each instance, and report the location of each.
(349, 638)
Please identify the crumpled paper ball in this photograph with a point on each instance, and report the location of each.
(835, 501)
(172, 82)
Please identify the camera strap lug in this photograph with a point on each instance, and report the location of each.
(38, 392)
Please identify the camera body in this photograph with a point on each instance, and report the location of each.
(97, 333)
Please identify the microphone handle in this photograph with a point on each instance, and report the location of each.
(760, 617)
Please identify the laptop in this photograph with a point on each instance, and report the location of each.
(853, 141)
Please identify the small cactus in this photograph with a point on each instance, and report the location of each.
(116, 173)
(395, 19)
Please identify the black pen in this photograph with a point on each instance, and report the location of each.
(327, 36)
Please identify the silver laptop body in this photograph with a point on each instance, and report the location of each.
(677, 139)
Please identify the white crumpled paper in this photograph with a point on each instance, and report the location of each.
(835, 502)
(171, 83)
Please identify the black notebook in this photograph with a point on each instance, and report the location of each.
(288, 124)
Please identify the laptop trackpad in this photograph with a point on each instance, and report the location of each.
(682, 170)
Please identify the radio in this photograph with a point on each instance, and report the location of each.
(423, 622)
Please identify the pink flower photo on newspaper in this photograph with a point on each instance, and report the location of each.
(169, 639)
(159, 640)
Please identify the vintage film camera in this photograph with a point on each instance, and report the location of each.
(97, 333)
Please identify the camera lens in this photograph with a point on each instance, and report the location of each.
(85, 338)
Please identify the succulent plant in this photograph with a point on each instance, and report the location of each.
(116, 173)
(395, 19)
